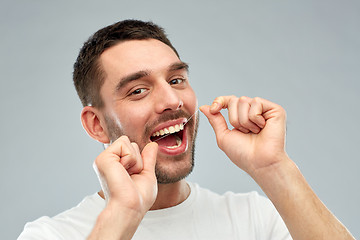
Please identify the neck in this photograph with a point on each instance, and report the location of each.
(170, 195)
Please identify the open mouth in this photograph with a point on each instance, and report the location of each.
(170, 137)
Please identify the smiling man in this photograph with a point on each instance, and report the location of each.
(142, 99)
(138, 101)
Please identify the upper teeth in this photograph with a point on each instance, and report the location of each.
(169, 130)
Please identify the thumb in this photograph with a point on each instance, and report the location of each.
(217, 120)
(148, 155)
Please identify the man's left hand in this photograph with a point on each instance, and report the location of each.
(257, 139)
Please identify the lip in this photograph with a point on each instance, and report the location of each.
(184, 143)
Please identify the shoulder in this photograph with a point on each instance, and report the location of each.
(74, 222)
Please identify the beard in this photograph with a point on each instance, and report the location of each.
(175, 168)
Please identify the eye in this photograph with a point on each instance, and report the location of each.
(176, 81)
(138, 91)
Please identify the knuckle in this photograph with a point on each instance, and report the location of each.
(128, 161)
(243, 99)
(247, 124)
(232, 99)
(282, 110)
(135, 146)
(124, 138)
(256, 99)
(218, 99)
(244, 122)
(252, 116)
(136, 168)
(99, 158)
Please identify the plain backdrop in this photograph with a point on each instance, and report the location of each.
(303, 55)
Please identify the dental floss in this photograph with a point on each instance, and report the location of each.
(106, 145)
(187, 120)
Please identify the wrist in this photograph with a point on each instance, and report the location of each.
(114, 209)
(264, 167)
(277, 177)
(116, 222)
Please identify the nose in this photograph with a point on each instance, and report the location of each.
(167, 98)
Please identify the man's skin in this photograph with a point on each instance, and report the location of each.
(126, 169)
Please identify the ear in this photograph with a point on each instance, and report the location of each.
(94, 124)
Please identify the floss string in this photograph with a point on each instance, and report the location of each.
(187, 120)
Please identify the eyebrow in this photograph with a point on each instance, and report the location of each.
(143, 73)
(130, 78)
(179, 66)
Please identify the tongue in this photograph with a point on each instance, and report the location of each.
(168, 141)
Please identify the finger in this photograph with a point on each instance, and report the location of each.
(220, 103)
(234, 104)
(110, 171)
(256, 111)
(128, 154)
(110, 155)
(243, 130)
(244, 106)
(233, 112)
(120, 147)
(149, 154)
(236, 108)
(271, 110)
(217, 121)
(136, 163)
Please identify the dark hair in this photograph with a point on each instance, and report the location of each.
(88, 75)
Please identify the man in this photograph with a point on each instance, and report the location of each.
(138, 101)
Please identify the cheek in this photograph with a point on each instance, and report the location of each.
(191, 100)
(134, 119)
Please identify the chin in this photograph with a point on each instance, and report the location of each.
(173, 170)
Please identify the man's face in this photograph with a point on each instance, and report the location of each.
(146, 93)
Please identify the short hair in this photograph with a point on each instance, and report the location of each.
(88, 75)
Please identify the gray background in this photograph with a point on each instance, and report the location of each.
(303, 55)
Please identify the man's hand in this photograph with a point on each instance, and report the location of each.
(256, 145)
(129, 184)
(257, 139)
(127, 176)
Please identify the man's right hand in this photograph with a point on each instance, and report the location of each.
(130, 187)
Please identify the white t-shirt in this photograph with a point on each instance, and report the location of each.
(203, 215)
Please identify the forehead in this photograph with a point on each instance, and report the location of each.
(137, 55)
